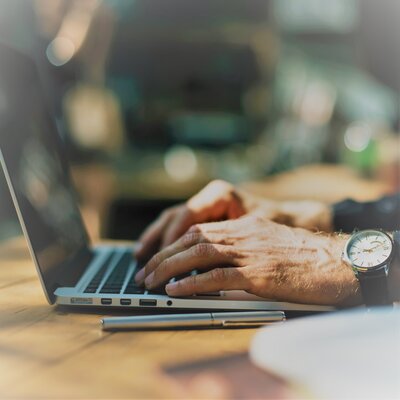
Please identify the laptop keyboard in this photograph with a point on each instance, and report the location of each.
(114, 283)
(95, 282)
(117, 277)
(132, 287)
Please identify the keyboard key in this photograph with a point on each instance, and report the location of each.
(134, 290)
(132, 287)
(96, 280)
(117, 277)
(109, 290)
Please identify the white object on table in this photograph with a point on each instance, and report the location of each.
(346, 355)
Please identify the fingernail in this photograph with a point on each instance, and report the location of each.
(138, 247)
(139, 276)
(171, 288)
(149, 280)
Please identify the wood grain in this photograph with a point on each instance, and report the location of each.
(53, 352)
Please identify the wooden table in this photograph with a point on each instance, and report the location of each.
(53, 352)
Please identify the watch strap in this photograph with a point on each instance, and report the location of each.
(374, 288)
(396, 241)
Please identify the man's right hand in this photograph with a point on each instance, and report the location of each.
(259, 256)
(219, 200)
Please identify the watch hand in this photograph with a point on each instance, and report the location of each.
(373, 248)
(367, 250)
(379, 245)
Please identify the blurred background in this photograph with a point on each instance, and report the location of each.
(155, 98)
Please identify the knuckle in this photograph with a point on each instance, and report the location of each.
(221, 184)
(154, 261)
(162, 268)
(194, 229)
(222, 187)
(231, 252)
(190, 238)
(218, 274)
(165, 265)
(258, 219)
(191, 284)
(202, 250)
(146, 270)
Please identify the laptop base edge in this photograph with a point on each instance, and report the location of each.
(164, 302)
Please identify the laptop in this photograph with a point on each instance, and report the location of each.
(72, 271)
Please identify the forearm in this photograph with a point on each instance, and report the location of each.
(311, 215)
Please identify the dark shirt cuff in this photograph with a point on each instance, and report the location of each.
(381, 214)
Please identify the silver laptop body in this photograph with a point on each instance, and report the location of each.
(71, 270)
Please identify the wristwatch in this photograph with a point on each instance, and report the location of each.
(370, 253)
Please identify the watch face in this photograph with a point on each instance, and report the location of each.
(369, 249)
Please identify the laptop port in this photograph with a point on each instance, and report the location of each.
(106, 301)
(125, 302)
(148, 302)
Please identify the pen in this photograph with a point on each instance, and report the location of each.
(210, 319)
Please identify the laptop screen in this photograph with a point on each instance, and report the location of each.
(37, 172)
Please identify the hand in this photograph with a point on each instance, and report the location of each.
(219, 200)
(222, 201)
(259, 256)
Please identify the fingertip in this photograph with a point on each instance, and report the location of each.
(138, 247)
(146, 238)
(139, 277)
(149, 281)
(141, 252)
(172, 288)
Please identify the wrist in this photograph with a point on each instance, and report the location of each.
(348, 287)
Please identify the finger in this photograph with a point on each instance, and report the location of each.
(212, 281)
(201, 256)
(218, 200)
(180, 224)
(153, 233)
(215, 228)
(194, 236)
(210, 204)
(188, 240)
(214, 192)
